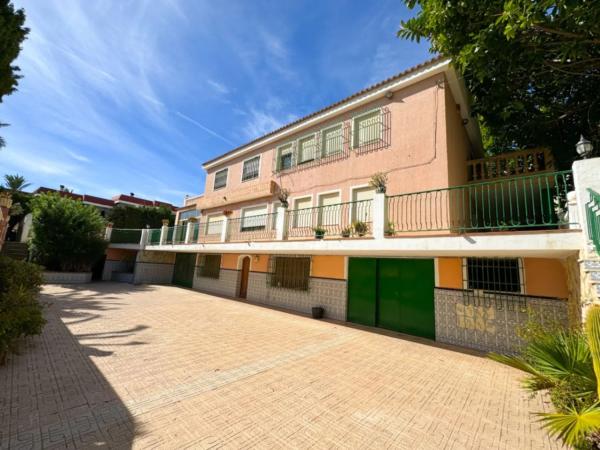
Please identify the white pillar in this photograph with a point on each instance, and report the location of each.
(281, 223)
(144, 238)
(189, 230)
(225, 229)
(572, 209)
(585, 176)
(164, 231)
(108, 232)
(379, 215)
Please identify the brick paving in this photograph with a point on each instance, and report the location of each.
(121, 366)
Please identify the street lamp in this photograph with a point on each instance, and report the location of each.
(584, 147)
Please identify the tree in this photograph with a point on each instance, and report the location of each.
(126, 216)
(532, 67)
(67, 234)
(12, 34)
(15, 183)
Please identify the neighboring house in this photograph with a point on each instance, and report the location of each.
(460, 249)
(189, 209)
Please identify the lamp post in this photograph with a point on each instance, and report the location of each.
(584, 147)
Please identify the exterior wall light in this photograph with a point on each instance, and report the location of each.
(584, 147)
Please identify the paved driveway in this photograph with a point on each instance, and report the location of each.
(161, 367)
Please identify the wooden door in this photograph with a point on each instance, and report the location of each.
(244, 277)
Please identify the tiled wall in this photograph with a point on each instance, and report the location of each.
(114, 266)
(226, 284)
(327, 293)
(153, 273)
(491, 323)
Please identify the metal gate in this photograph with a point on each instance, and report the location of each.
(183, 272)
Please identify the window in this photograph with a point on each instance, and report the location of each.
(185, 215)
(307, 148)
(361, 209)
(285, 157)
(367, 128)
(254, 219)
(329, 213)
(251, 168)
(220, 179)
(214, 224)
(494, 274)
(209, 266)
(332, 141)
(302, 212)
(290, 272)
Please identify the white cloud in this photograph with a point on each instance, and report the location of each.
(77, 156)
(220, 88)
(199, 125)
(261, 122)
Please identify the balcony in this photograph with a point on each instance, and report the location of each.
(508, 165)
(246, 192)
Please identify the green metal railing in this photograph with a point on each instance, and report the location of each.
(350, 219)
(593, 218)
(529, 202)
(125, 236)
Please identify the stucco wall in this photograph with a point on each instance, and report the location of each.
(329, 267)
(450, 273)
(545, 277)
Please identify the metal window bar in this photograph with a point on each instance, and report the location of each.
(252, 228)
(349, 219)
(125, 236)
(251, 168)
(535, 201)
(289, 272)
(209, 266)
(374, 134)
(593, 219)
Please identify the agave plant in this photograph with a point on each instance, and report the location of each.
(567, 363)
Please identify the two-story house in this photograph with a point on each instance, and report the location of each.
(453, 247)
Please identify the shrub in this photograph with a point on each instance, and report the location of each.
(360, 227)
(67, 234)
(20, 311)
(127, 216)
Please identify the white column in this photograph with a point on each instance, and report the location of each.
(189, 230)
(163, 232)
(379, 215)
(108, 232)
(144, 238)
(225, 229)
(572, 209)
(281, 223)
(585, 176)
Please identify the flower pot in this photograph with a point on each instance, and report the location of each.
(380, 190)
(317, 312)
(319, 235)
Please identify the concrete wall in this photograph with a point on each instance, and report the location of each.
(491, 323)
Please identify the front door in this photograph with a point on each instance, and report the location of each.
(183, 272)
(244, 277)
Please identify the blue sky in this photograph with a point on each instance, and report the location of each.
(132, 96)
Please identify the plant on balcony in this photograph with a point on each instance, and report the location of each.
(360, 228)
(379, 182)
(346, 231)
(567, 364)
(390, 229)
(319, 232)
(283, 195)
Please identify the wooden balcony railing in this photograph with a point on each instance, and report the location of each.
(526, 162)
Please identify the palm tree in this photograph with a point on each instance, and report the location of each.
(15, 183)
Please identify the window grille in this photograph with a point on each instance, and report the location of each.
(289, 272)
(367, 129)
(308, 149)
(251, 168)
(332, 141)
(209, 267)
(494, 274)
(221, 179)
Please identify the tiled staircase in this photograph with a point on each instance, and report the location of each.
(591, 267)
(16, 250)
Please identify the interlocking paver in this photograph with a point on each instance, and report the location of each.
(121, 366)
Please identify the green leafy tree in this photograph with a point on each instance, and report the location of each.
(12, 34)
(126, 216)
(532, 67)
(15, 183)
(67, 234)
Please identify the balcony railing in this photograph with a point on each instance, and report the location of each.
(350, 219)
(507, 165)
(252, 228)
(536, 201)
(125, 236)
(209, 231)
(593, 219)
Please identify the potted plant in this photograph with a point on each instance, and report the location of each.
(390, 230)
(360, 228)
(346, 231)
(283, 197)
(317, 312)
(227, 212)
(379, 182)
(319, 232)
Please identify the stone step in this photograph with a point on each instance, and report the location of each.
(15, 250)
(590, 264)
(595, 276)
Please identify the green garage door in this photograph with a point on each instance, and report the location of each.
(183, 272)
(396, 294)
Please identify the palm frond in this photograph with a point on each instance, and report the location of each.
(572, 426)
